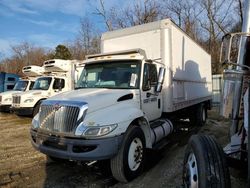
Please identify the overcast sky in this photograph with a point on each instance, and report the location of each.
(44, 23)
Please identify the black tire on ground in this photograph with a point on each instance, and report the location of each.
(128, 163)
(205, 164)
(198, 115)
(36, 108)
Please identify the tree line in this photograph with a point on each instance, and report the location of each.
(206, 21)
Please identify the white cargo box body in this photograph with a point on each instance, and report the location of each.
(188, 78)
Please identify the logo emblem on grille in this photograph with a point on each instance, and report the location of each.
(57, 106)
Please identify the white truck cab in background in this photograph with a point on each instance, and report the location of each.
(126, 97)
(23, 84)
(58, 76)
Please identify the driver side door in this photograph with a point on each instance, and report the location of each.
(151, 101)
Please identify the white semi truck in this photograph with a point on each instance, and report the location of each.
(23, 84)
(126, 97)
(59, 76)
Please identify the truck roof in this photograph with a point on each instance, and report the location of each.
(123, 52)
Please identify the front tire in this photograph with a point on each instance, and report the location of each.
(128, 163)
(205, 164)
(36, 108)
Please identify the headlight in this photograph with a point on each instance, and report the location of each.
(35, 121)
(94, 131)
(7, 99)
(28, 100)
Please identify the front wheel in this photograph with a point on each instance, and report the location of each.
(204, 164)
(128, 163)
(36, 108)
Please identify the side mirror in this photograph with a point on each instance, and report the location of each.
(160, 80)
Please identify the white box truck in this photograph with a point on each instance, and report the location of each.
(126, 97)
(59, 76)
(23, 84)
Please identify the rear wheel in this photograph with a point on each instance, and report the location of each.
(198, 115)
(128, 163)
(204, 164)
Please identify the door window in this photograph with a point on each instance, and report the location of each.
(58, 83)
(149, 76)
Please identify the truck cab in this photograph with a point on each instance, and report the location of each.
(24, 84)
(58, 76)
(113, 93)
(25, 103)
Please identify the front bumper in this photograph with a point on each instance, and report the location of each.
(5, 108)
(76, 148)
(24, 111)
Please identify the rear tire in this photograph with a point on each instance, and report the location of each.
(199, 115)
(205, 164)
(128, 163)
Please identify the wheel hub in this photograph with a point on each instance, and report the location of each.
(135, 154)
(191, 172)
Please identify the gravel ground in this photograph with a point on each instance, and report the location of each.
(22, 166)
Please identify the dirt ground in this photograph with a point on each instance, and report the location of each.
(22, 166)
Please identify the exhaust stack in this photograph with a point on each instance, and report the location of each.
(235, 79)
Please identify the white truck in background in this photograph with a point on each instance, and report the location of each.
(23, 84)
(126, 97)
(59, 76)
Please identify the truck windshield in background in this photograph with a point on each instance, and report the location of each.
(42, 83)
(115, 75)
(20, 85)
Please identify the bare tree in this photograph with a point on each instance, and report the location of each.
(185, 14)
(215, 22)
(86, 42)
(139, 12)
(22, 55)
(101, 11)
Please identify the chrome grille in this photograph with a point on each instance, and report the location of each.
(59, 118)
(16, 99)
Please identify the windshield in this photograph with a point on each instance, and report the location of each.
(42, 83)
(115, 74)
(20, 85)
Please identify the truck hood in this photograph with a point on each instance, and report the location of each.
(9, 93)
(33, 92)
(96, 98)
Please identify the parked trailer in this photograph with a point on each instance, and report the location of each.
(7, 81)
(125, 98)
(205, 162)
